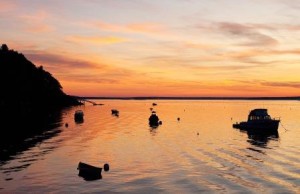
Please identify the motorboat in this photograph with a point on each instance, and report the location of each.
(78, 116)
(154, 120)
(258, 121)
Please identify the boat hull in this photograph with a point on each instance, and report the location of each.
(89, 172)
(266, 126)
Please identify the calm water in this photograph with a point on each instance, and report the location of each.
(200, 153)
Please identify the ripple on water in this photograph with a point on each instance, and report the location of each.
(171, 158)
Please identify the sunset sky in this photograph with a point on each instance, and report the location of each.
(160, 47)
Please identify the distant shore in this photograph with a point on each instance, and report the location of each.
(193, 98)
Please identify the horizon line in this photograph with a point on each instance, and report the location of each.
(191, 98)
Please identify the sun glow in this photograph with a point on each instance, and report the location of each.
(160, 48)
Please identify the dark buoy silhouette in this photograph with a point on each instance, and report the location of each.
(115, 112)
(154, 120)
(106, 167)
(178, 119)
(66, 125)
(198, 133)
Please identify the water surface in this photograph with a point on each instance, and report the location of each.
(199, 153)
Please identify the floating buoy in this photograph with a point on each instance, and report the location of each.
(66, 125)
(178, 119)
(115, 112)
(106, 167)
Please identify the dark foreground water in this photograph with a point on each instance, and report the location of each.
(199, 153)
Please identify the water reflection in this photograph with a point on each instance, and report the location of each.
(27, 134)
(171, 158)
(79, 121)
(153, 130)
(261, 140)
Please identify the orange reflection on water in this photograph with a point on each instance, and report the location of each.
(200, 152)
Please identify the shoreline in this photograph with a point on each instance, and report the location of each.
(296, 98)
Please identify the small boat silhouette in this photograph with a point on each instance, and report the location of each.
(154, 120)
(89, 172)
(115, 112)
(259, 121)
(78, 116)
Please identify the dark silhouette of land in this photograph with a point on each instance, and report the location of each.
(24, 85)
(192, 98)
(29, 95)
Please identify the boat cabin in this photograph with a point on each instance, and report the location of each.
(259, 114)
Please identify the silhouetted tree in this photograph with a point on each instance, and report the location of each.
(4, 47)
(28, 88)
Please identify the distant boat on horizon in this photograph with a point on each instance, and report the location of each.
(259, 121)
(115, 112)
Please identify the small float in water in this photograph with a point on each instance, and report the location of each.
(259, 121)
(89, 172)
(115, 112)
(78, 116)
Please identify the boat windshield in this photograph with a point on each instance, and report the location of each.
(259, 114)
(259, 117)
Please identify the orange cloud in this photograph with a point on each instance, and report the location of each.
(97, 39)
(284, 84)
(76, 70)
(143, 28)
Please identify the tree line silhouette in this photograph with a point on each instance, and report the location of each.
(27, 91)
(24, 84)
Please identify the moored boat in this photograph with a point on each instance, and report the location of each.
(78, 116)
(115, 112)
(89, 172)
(258, 121)
(154, 120)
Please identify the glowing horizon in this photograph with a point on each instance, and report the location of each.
(181, 48)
